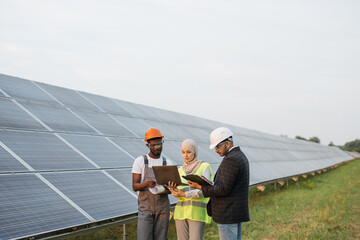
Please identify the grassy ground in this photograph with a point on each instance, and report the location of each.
(325, 206)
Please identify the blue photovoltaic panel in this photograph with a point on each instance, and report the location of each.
(206, 154)
(29, 207)
(23, 89)
(58, 118)
(138, 126)
(99, 150)
(104, 124)
(107, 104)
(12, 116)
(169, 131)
(122, 175)
(9, 164)
(138, 110)
(173, 151)
(135, 147)
(73, 169)
(43, 151)
(68, 97)
(95, 193)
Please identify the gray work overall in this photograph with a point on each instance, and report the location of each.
(154, 210)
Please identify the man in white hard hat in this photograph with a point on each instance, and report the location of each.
(228, 203)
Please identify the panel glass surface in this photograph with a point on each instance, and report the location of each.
(43, 151)
(135, 147)
(106, 104)
(9, 164)
(138, 126)
(68, 97)
(170, 131)
(205, 154)
(214, 157)
(122, 175)
(166, 116)
(95, 193)
(172, 150)
(23, 89)
(99, 150)
(104, 124)
(29, 207)
(12, 116)
(58, 118)
(132, 108)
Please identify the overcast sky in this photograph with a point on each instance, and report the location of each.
(281, 67)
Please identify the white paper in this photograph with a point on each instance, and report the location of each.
(157, 189)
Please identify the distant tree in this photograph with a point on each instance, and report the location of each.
(301, 138)
(353, 146)
(331, 144)
(314, 139)
(283, 135)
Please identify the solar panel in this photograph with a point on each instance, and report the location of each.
(58, 118)
(104, 124)
(12, 116)
(43, 151)
(95, 193)
(137, 126)
(23, 89)
(106, 104)
(70, 155)
(9, 164)
(101, 151)
(28, 206)
(67, 97)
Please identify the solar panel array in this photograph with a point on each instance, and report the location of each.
(66, 155)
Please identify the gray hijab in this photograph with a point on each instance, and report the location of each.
(191, 167)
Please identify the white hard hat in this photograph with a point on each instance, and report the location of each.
(219, 135)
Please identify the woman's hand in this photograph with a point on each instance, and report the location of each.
(177, 192)
(171, 185)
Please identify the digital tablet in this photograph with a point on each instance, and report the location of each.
(164, 174)
(198, 179)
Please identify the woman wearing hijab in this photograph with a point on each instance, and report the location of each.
(190, 211)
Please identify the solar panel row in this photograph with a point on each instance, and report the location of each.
(66, 155)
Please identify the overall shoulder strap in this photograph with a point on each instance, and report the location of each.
(146, 161)
(164, 161)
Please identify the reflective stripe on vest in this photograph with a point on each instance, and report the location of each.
(192, 208)
(187, 203)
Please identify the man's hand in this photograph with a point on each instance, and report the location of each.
(194, 185)
(150, 183)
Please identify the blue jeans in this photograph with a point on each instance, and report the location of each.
(230, 231)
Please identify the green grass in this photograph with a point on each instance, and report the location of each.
(325, 206)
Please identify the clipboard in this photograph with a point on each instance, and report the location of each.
(164, 174)
(199, 180)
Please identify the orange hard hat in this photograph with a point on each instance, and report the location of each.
(152, 133)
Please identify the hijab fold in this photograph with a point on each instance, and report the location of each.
(194, 164)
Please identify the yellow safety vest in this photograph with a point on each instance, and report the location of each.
(192, 208)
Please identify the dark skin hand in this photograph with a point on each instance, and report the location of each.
(138, 186)
(155, 147)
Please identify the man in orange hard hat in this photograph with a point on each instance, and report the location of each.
(154, 209)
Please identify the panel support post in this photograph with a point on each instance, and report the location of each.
(125, 232)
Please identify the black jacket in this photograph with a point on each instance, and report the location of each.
(229, 195)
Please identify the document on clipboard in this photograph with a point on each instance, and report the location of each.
(164, 174)
(199, 179)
